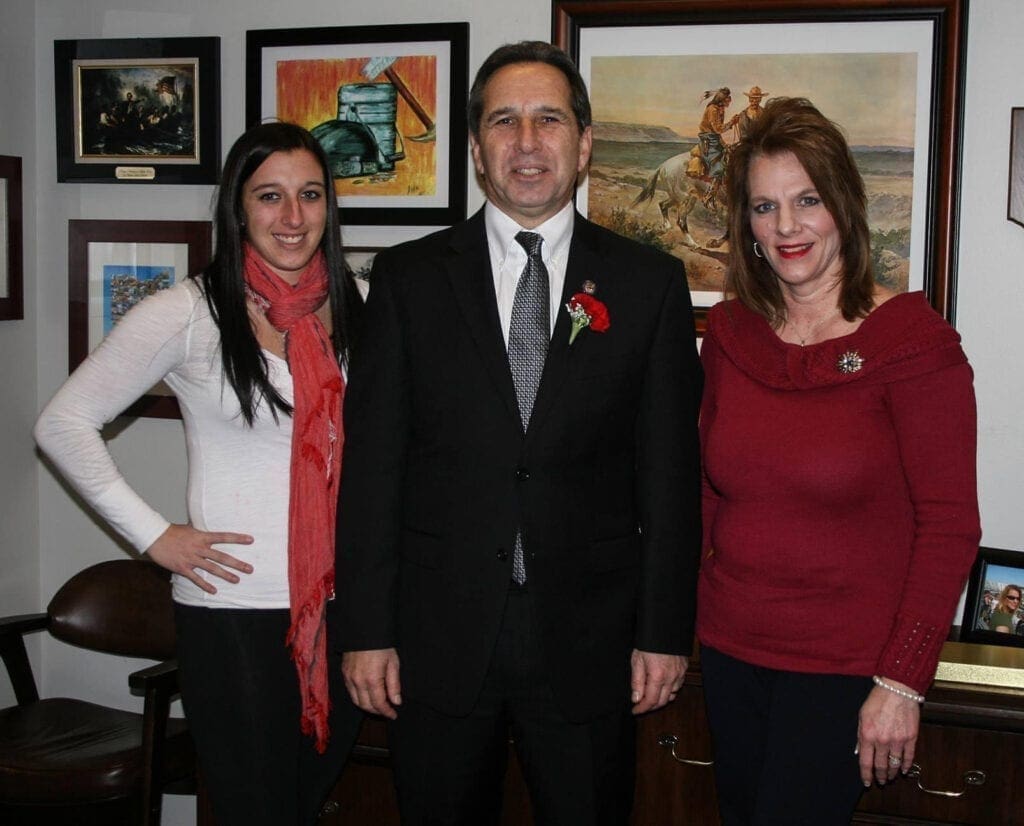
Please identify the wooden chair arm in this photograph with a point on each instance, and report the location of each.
(162, 677)
(23, 623)
(159, 684)
(15, 656)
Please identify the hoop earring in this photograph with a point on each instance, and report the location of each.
(757, 250)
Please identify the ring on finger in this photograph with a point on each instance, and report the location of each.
(895, 760)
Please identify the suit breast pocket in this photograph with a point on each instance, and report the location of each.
(612, 369)
(608, 555)
(425, 550)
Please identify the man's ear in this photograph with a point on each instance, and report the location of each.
(474, 148)
(586, 147)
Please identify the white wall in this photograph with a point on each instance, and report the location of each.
(46, 534)
(19, 492)
(990, 296)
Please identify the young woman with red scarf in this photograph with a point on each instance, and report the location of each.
(255, 349)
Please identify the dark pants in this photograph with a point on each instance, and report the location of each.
(449, 770)
(784, 743)
(241, 697)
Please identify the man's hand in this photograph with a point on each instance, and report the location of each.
(371, 678)
(183, 550)
(656, 679)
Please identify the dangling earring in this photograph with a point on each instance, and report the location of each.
(757, 250)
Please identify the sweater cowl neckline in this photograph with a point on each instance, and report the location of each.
(900, 338)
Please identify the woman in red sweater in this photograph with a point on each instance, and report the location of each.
(838, 433)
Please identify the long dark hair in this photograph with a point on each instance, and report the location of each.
(245, 365)
(795, 125)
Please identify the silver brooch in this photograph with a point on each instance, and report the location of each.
(589, 287)
(850, 362)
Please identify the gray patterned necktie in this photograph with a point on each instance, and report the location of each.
(529, 334)
(529, 329)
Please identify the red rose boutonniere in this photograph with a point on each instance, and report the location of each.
(587, 311)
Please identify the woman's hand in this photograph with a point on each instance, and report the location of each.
(182, 549)
(887, 734)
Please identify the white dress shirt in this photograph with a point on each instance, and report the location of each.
(508, 258)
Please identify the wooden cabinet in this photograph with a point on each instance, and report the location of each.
(971, 758)
(675, 783)
(971, 755)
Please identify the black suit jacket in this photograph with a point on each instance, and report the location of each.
(437, 473)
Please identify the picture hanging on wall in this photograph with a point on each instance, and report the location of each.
(359, 261)
(1015, 208)
(386, 102)
(112, 266)
(11, 285)
(890, 72)
(140, 110)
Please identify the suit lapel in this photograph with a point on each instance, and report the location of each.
(583, 263)
(469, 272)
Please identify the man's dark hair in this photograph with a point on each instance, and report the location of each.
(529, 51)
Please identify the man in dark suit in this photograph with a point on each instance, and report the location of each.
(519, 526)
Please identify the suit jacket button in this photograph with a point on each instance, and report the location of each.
(502, 554)
(522, 474)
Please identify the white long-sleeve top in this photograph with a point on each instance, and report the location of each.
(238, 476)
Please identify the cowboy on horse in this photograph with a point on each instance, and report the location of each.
(713, 150)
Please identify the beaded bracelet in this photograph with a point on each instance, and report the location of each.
(909, 695)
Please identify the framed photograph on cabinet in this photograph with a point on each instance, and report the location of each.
(993, 611)
(11, 250)
(112, 265)
(1015, 207)
(890, 72)
(139, 110)
(386, 102)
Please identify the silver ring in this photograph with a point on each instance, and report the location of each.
(895, 760)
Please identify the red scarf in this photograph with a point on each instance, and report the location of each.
(315, 470)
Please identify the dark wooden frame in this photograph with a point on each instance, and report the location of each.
(975, 593)
(949, 20)
(456, 34)
(197, 235)
(1015, 187)
(12, 305)
(204, 169)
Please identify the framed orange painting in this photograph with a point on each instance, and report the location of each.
(387, 103)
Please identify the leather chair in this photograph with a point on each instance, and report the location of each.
(67, 761)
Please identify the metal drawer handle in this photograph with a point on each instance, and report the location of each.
(669, 741)
(974, 777)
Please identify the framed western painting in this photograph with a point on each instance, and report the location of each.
(386, 102)
(11, 284)
(889, 72)
(993, 610)
(143, 110)
(112, 266)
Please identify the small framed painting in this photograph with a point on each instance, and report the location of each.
(11, 286)
(141, 110)
(112, 266)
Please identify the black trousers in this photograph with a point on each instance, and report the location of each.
(241, 697)
(783, 743)
(449, 770)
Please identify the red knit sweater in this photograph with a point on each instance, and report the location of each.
(840, 509)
